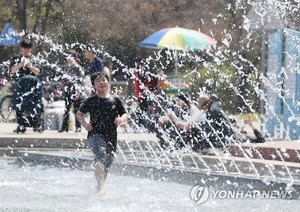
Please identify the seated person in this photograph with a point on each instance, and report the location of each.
(241, 135)
(171, 125)
(211, 128)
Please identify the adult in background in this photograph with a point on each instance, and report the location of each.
(27, 98)
(72, 79)
(242, 136)
(96, 63)
(144, 84)
(216, 130)
(173, 123)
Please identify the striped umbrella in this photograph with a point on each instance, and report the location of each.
(178, 38)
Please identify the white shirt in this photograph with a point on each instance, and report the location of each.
(197, 115)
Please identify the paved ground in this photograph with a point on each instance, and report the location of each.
(6, 131)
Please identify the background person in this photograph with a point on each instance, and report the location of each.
(72, 80)
(25, 63)
(27, 97)
(96, 63)
(212, 130)
(241, 135)
(141, 84)
(172, 124)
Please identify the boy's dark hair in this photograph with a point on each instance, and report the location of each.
(97, 74)
(27, 44)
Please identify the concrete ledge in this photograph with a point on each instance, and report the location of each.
(145, 144)
(57, 159)
(42, 143)
(8, 146)
(268, 152)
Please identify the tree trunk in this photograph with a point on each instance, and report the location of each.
(45, 19)
(38, 16)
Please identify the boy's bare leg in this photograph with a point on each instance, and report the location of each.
(100, 177)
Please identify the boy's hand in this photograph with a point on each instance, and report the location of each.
(118, 120)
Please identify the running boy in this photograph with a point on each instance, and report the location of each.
(106, 113)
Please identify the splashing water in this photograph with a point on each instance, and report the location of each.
(205, 71)
(39, 188)
(48, 60)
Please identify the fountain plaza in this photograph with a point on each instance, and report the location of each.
(51, 171)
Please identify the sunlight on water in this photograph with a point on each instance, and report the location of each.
(40, 188)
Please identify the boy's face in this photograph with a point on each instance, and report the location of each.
(101, 84)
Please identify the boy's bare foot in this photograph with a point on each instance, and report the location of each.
(101, 193)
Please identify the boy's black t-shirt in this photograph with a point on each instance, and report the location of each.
(103, 112)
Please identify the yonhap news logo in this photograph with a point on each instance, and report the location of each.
(201, 193)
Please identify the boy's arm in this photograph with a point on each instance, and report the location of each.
(124, 117)
(121, 119)
(81, 120)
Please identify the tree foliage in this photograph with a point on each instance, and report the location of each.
(119, 25)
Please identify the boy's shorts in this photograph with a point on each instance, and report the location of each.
(98, 147)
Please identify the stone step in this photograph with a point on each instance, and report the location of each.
(267, 152)
(148, 148)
